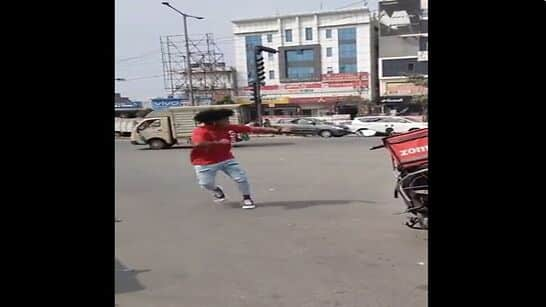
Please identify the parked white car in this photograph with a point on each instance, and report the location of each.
(384, 125)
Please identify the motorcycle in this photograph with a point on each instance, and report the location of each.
(409, 155)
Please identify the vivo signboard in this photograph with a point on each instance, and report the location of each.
(165, 103)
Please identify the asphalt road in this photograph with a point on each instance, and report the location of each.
(324, 231)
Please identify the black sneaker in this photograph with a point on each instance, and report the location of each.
(219, 195)
(248, 204)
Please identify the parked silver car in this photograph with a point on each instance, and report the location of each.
(309, 126)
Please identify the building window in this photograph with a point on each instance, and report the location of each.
(251, 41)
(270, 56)
(347, 50)
(424, 26)
(288, 35)
(308, 34)
(329, 51)
(269, 38)
(423, 43)
(328, 33)
(300, 64)
(329, 70)
(401, 67)
(271, 74)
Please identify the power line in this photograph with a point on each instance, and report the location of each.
(139, 56)
(127, 65)
(351, 4)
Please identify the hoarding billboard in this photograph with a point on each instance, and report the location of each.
(136, 105)
(349, 82)
(165, 103)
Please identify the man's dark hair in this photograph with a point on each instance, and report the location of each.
(212, 115)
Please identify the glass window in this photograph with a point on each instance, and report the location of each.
(300, 55)
(347, 34)
(400, 67)
(329, 70)
(288, 35)
(388, 120)
(397, 120)
(269, 38)
(271, 74)
(150, 123)
(347, 68)
(308, 34)
(251, 41)
(270, 56)
(369, 120)
(300, 65)
(347, 50)
(328, 33)
(301, 73)
(329, 51)
(423, 43)
(304, 122)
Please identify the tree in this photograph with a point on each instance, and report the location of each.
(422, 102)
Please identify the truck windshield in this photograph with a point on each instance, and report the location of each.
(149, 123)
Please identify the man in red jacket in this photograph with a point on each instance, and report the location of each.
(212, 152)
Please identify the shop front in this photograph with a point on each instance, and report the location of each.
(399, 105)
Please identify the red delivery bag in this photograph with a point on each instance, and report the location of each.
(408, 149)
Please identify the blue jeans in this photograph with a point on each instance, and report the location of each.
(206, 174)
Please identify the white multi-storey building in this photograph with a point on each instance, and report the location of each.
(323, 58)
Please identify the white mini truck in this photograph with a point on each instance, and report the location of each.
(165, 128)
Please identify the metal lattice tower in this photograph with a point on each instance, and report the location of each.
(210, 76)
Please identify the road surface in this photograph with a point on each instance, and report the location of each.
(324, 231)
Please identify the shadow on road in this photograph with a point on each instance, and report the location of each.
(301, 204)
(126, 280)
(236, 146)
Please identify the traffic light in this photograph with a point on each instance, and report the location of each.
(260, 69)
(254, 92)
(259, 79)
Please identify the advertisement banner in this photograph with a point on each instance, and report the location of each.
(405, 88)
(347, 81)
(345, 77)
(128, 105)
(165, 103)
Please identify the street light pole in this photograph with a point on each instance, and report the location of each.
(188, 63)
(188, 60)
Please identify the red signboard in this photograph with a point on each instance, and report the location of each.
(350, 80)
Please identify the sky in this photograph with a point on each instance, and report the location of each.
(140, 23)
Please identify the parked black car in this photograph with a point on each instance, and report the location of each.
(309, 126)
